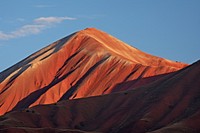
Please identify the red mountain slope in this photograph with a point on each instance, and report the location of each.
(86, 63)
(169, 105)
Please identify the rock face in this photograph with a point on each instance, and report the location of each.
(134, 91)
(168, 105)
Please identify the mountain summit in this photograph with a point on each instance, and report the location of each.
(86, 63)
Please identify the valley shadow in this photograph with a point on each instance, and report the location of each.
(139, 82)
(125, 85)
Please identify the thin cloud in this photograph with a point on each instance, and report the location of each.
(23, 31)
(38, 25)
(50, 20)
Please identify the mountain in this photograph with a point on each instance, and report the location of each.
(169, 105)
(86, 63)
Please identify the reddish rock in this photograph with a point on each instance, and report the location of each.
(133, 91)
(169, 105)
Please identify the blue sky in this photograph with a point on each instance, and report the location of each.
(165, 28)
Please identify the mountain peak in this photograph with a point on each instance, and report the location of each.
(125, 51)
(86, 63)
(91, 29)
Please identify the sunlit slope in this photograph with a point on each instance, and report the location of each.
(87, 63)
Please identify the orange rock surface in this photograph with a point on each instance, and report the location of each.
(83, 64)
(168, 105)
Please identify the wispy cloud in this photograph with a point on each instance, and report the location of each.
(38, 25)
(51, 20)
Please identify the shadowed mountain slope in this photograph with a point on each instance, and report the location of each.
(87, 63)
(168, 105)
